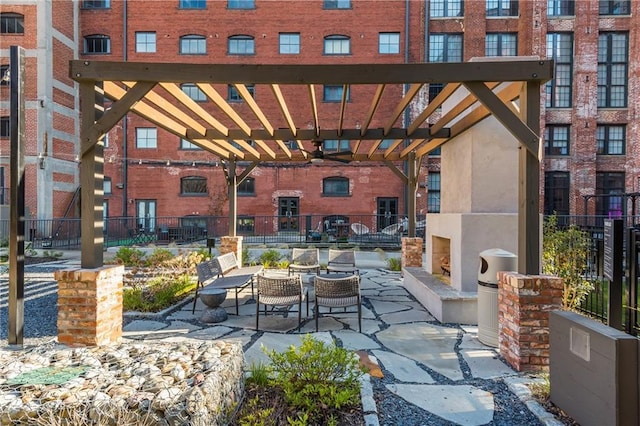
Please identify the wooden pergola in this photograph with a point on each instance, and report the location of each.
(153, 91)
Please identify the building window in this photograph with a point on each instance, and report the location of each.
(610, 140)
(96, 4)
(188, 146)
(434, 90)
(385, 143)
(556, 193)
(193, 185)
(193, 92)
(388, 43)
(106, 185)
(335, 186)
(234, 96)
(502, 7)
(615, 7)
(4, 75)
(445, 48)
(501, 44)
(289, 43)
(556, 140)
(105, 140)
(433, 192)
(146, 137)
(333, 93)
(241, 4)
(337, 45)
(192, 4)
(560, 7)
(246, 225)
(336, 145)
(608, 186)
(193, 45)
(5, 127)
(445, 8)
(145, 42)
(613, 64)
(558, 90)
(336, 4)
(247, 187)
(11, 23)
(97, 44)
(241, 45)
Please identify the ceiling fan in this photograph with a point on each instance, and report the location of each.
(318, 155)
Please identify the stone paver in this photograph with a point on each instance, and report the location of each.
(402, 368)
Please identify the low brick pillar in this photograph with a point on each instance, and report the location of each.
(524, 303)
(90, 305)
(411, 252)
(232, 245)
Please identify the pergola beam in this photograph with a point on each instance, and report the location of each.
(310, 134)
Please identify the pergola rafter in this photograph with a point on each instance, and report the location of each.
(256, 134)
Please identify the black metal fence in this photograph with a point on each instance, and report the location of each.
(383, 231)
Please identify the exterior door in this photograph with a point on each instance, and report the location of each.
(146, 215)
(387, 212)
(288, 211)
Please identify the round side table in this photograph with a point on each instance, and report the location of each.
(213, 298)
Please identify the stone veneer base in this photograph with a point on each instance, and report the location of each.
(444, 302)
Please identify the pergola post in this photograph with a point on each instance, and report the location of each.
(412, 182)
(232, 187)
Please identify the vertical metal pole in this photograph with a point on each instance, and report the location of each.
(232, 181)
(17, 219)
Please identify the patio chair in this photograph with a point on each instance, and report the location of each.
(342, 261)
(359, 228)
(280, 292)
(304, 260)
(337, 293)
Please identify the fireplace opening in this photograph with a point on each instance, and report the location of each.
(441, 257)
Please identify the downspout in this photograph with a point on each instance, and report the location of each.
(125, 149)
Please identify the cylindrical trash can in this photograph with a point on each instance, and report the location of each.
(492, 261)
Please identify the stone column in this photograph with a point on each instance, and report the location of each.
(232, 245)
(524, 303)
(411, 252)
(90, 305)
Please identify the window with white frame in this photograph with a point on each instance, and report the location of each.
(333, 93)
(193, 185)
(556, 139)
(560, 7)
(145, 42)
(97, 44)
(558, 90)
(335, 145)
(193, 92)
(106, 185)
(146, 137)
(610, 139)
(234, 96)
(502, 7)
(335, 186)
(445, 8)
(241, 45)
(615, 7)
(337, 45)
(613, 69)
(388, 43)
(11, 23)
(188, 146)
(289, 43)
(193, 44)
(501, 44)
(445, 47)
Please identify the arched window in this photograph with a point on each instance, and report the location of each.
(193, 45)
(337, 45)
(335, 186)
(11, 23)
(241, 45)
(97, 44)
(193, 185)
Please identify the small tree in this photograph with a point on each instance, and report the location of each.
(564, 254)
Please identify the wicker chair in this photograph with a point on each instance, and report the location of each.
(278, 292)
(342, 262)
(305, 260)
(337, 293)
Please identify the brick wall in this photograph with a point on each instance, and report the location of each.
(232, 245)
(524, 303)
(411, 252)
(90, 305)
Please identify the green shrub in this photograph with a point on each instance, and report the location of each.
(246, 257)
(564, 254)
(394, 264)
(158, 293)
(129, 256)
(270, 258)
(158, 256)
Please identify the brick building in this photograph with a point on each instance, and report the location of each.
(589, 114)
